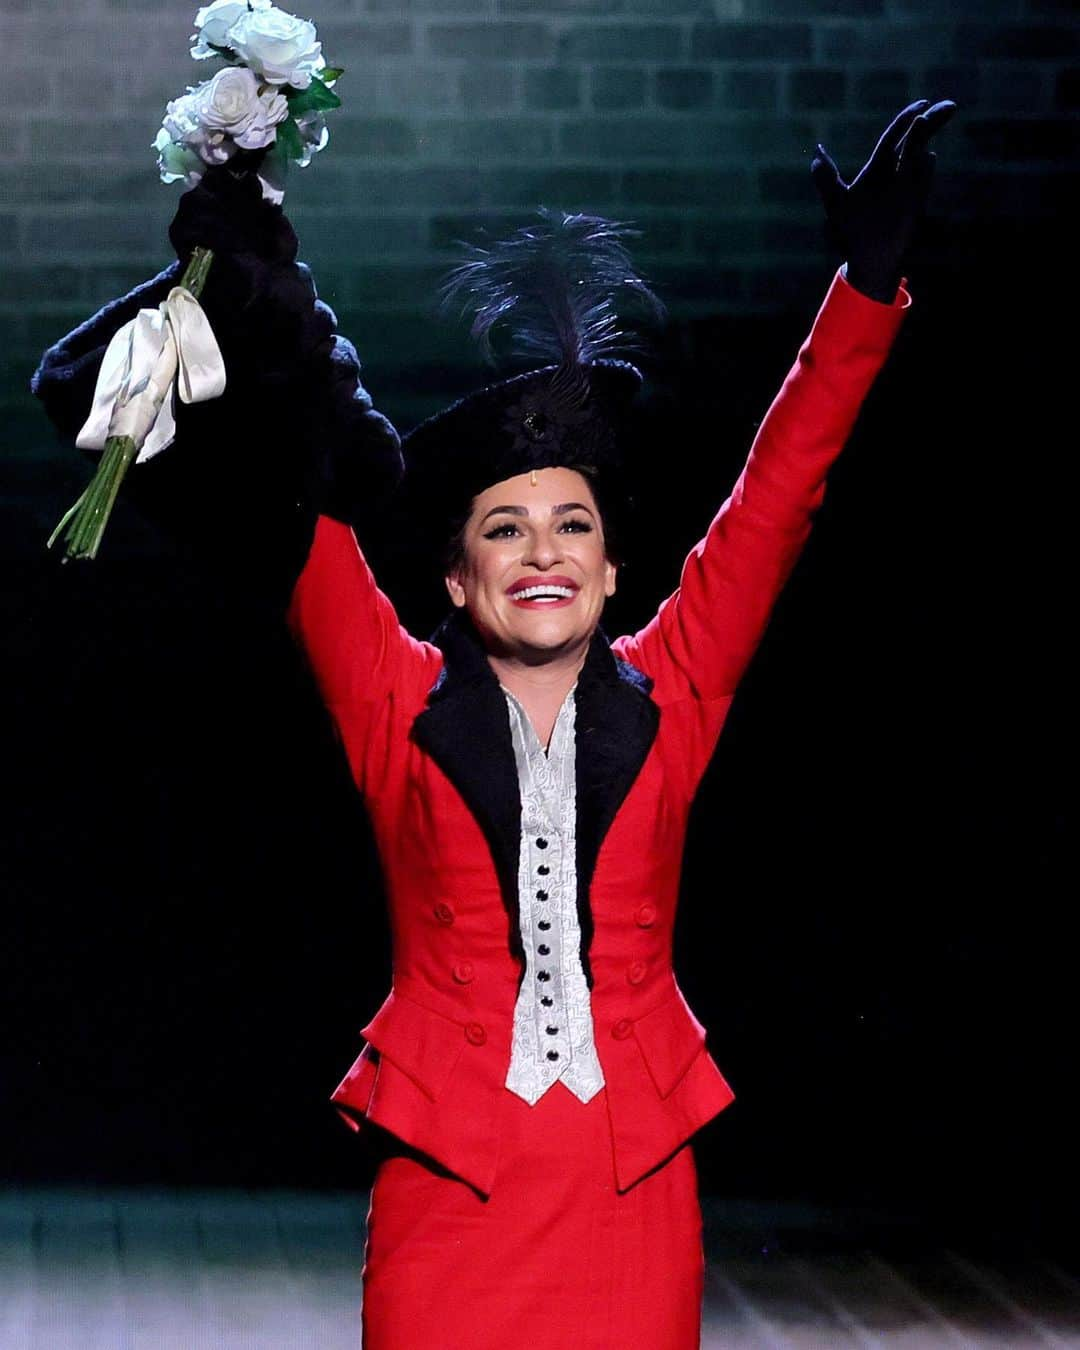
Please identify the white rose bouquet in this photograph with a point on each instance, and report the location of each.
(272, 96)
(266, 104)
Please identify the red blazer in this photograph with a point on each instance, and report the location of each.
(425, 729)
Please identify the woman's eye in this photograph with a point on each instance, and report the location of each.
(509, 529)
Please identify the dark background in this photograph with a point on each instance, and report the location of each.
(875, 927)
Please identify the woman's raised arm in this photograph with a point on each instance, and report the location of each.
(266, 480)
(703, 636)
(294, 432)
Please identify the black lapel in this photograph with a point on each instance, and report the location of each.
(466, 731)
(615, 724)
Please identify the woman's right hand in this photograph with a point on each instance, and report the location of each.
(227, 212)
(260, 301)
(280, 345)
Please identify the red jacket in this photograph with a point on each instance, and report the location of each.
(428, 741)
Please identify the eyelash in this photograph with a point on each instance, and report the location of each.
(577, 526)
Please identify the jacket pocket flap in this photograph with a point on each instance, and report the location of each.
(423, 1044)
(671, 1038)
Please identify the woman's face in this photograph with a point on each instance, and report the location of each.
(535, 573)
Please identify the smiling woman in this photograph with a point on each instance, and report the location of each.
(535, 1073)
(536, 1061)
(561, 1125)
(533, 577)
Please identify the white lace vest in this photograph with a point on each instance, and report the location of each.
(553, 1027)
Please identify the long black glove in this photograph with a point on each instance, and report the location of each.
(294, 434)
(872, 219)
(260, 302)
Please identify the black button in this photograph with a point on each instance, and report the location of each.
(552, 1031)
(543, 975)
(543, 869)
(544, 950)
(541, 843)
(541, 895)
(553, 1054)
(543, 925)
(547, 1002)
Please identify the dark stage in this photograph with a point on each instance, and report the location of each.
(191, 926)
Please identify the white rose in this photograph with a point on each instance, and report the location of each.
(181, 121)
(231, 104)
(275, 110)
(183, 124)
(214, 21)
(281, 47)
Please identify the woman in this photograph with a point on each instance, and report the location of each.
(535, 1068)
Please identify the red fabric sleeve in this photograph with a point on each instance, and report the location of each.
(361, 656)
(703, 636)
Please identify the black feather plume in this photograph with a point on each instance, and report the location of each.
(555, 285)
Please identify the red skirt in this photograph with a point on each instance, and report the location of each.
(555, 1256)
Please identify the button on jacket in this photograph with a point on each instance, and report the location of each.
(425, 728)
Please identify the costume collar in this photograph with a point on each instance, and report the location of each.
(466, 730)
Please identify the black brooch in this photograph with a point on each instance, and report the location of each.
(544, 417)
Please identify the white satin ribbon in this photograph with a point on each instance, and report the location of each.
(157, 350)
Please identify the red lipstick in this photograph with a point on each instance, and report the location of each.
(523, 583)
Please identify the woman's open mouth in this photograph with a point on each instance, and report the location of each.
(550, 594)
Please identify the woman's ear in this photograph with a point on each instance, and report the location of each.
(610, 577)
(455, 590)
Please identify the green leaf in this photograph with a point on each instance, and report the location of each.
(275, 165)
(290, 140)
(315, 98)
(331, 74)
(327, 95)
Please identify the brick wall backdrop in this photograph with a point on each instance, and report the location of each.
(694, 119)
(189, 913)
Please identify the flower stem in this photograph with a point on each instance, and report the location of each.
(194, 278)
(82, 526)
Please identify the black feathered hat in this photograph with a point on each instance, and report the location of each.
(555, 286)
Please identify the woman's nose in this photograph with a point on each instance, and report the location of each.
(543, 550)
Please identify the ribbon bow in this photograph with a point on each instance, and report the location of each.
(158, 350)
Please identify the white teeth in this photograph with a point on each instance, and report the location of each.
(544, 593)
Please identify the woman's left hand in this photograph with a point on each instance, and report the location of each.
(873, 217)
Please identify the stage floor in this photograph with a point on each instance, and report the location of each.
(212, 1270)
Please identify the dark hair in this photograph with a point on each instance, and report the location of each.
(454, 556)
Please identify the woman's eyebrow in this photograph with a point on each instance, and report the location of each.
(559, 510)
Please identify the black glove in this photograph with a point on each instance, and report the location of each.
(294, 433)
(871, 219)
(226, 211)
(260, 302)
